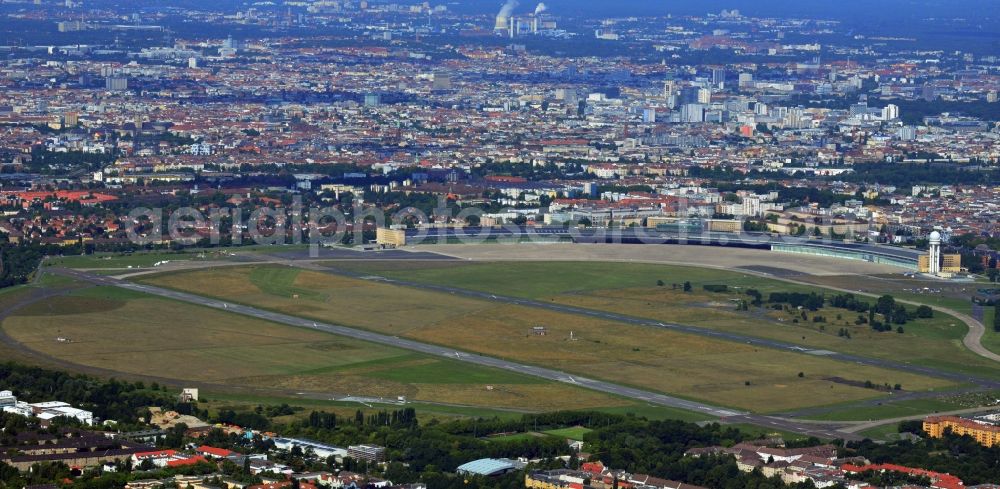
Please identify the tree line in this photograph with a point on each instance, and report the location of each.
(885, 307)
(112, 399)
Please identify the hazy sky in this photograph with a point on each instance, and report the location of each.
(824, 8)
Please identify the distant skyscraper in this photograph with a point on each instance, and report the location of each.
(569, 96)
(231, 43)
(693, 113)
(669, 88)
(859, 109)
(441, 82)
(718, 77)
(649, 115)
(795, 118)
(116, 83)
(704, 96)
(562, 93)
(890, 112)
(373, 100)
(687, 95)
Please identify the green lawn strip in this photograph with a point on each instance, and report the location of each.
(542, 279)
(424, 410)
(657, 412)
(112, 292)
(148, 258)
(887, 410)
(119, 260)
(886, 432)
(755, 431)
(453, 372)
(511, 437)
(991, 338)
(573, 433)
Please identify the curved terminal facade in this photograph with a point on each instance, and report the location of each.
(896, 257)
(899, 257)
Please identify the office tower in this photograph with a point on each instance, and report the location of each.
(116, 83)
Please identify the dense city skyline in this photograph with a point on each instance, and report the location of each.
(395, 244)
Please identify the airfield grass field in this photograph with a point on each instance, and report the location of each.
(630, 289)
(120, 260)
(513, 437)
(138, 335)
(10, 295)
(991, 340)
(147, 258)
(953, 295)
(887, 432)
(760, 432)
(574, 433)
(892, 410)
(719, 372)
(219, 399)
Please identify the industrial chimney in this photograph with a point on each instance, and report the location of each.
(504, 17)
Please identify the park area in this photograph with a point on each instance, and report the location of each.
(719, 372)
(110, 331)
(631, 289)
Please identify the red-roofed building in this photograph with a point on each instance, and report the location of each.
(213, 452)
(938, 480)
(83, 196)
(154, 454)
(181, 462)
(166, 458)
(158, 457)
(505, 179)
(595, 468)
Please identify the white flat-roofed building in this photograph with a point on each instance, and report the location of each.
(371, 453)
(84, 416)
(49, 404)
(7, 399)
(48, 410)
(44, 411)
(19, 408)
(319, 449)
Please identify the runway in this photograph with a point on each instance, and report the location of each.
(638, 321)
(824, 431)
